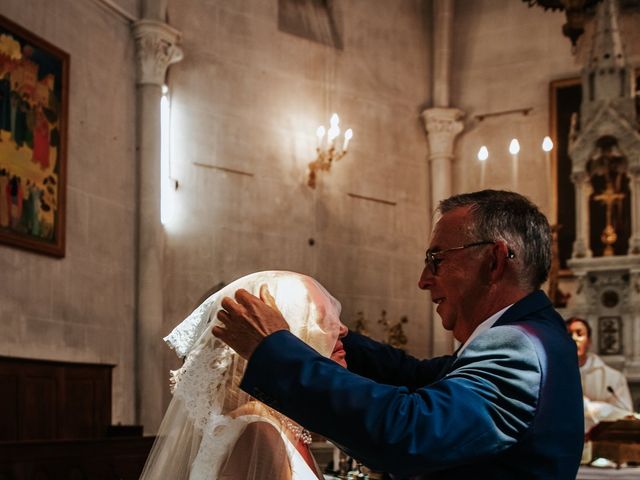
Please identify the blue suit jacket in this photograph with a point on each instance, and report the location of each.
(509, 407)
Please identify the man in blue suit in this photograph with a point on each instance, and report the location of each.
(507, 405)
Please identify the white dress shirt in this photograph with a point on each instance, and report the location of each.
(487, 324)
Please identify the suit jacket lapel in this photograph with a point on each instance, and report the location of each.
(533, 302)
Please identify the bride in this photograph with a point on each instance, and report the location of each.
(213, 430)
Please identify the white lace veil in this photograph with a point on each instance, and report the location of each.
(197, 433)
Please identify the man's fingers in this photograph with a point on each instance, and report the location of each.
(218, 331)
(229, 304)
(223, 316)
(254, 304)
(266, 297)
(243, 297)
(235, 309)
(248, 320)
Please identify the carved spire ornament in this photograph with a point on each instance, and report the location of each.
(604, 146)
(605, 143)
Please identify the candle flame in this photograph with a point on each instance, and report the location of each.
(483, 153)
(514, 147)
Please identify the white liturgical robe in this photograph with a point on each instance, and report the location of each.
(606, 392)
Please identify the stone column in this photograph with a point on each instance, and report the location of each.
(442, 54)
(156, 48)
(442, 126)
(634, 184)
(581, 247)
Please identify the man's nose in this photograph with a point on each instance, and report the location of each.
(343, 330)
(425, 279)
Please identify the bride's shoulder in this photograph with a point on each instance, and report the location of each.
(261, 426)
(251, 408)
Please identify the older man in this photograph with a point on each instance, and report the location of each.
(508, 404)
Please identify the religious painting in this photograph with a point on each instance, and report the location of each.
(33, 123)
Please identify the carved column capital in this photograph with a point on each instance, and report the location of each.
(442, 126)
(156, 49)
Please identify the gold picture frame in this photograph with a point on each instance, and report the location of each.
(33, 141)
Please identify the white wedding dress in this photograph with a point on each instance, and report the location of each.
(200, 431)
(300, 469)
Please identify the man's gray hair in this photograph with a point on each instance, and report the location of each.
(511, 217)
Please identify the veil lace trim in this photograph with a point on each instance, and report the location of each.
(197, 433)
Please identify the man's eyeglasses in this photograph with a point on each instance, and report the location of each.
(433, 258)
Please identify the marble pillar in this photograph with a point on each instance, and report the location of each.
(634, 184)
(442, 42)
(581, 247)
(442, 125)
(156, 49)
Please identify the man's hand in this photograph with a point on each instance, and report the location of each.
(248, 320)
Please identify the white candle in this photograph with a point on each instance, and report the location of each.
(483, 155)
(333, 132)
(320, 135)
(334, 129)
(547, 170)
(347, 136)
(514, 149)
(547, 146)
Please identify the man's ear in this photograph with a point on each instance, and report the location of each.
(500, 257)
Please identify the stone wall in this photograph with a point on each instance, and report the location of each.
(247, 97)
(80, 308)
(250, 97)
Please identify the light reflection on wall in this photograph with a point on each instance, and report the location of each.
(165, 153)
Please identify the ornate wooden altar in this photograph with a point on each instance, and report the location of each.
(617, 441)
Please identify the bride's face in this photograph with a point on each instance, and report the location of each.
(312, 313)
(339, 355)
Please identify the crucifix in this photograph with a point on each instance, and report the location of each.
(609, 197)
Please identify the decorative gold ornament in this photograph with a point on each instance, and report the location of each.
(609, 236)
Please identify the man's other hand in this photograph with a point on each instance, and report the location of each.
(248, 320)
